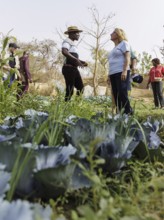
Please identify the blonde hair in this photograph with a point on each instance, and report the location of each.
(121, 34)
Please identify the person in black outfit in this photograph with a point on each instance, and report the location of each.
(72, 62)
(13, 63)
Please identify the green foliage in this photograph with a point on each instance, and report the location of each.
(133, 193)
(102, 63)
(45, 59)
(7, 99)
(136, 193)
(17, 170)
(8, 93)
(144, 110)
(145, 62)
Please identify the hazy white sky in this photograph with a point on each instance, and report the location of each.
(142, 20)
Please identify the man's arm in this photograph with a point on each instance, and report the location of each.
(133, 63)
(17, 65)
(66, 53)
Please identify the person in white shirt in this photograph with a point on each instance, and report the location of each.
(72, 62)
(119, 71)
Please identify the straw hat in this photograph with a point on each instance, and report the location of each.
(72, 29)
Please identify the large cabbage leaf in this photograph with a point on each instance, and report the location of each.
(150, 130)
(50, 157)
(53, 182)
(9, 153)
(40, 213)
(26, 185)
(4, 185)
(54, 170)
(25, 126)
(18, 210)
(79, 180)
(114, 141)
(116, 152)
(83, 132)
(150, 150)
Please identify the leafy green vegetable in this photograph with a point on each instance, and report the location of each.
(4, 179)
(23, 210)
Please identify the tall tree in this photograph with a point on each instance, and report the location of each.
(98, 32)
(45, 59)
(144, 62)
(162, 51)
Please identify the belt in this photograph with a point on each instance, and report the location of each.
(69, 65)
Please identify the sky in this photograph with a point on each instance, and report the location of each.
(142, 20)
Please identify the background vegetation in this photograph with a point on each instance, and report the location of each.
(134, 193)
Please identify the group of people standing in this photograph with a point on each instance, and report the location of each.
(17, 69)
(122, 64)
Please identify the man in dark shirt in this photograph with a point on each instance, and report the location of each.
(13, 62)
(72, 62)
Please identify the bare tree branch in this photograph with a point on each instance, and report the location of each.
(98, 32)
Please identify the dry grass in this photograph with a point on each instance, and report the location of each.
(142, 95)
(137, 94)
(44, 89)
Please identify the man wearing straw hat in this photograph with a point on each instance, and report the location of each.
(72, 62)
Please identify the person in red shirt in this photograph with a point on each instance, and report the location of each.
(156, 75)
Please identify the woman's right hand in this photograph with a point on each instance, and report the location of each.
(124, 75)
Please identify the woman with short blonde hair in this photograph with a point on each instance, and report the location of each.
(119, 70)
(121, 34)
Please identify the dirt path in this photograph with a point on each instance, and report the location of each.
(142, 94)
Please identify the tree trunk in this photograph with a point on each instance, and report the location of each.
(95, 80)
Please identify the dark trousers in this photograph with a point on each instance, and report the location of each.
(22, 88)
(72, 80)
(12, 79)
(120, 92)
(157, 93)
